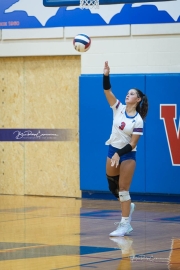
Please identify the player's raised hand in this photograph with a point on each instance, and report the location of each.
(106, 69)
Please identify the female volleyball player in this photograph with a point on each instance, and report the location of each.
(121, 161)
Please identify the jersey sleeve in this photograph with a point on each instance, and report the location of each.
(138, 127)
(116, 107)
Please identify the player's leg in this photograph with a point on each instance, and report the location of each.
(112, 175)
(127, 168)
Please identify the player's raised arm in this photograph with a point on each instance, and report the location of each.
(107, 86)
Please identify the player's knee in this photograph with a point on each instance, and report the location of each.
(124, 196)
(113, 182)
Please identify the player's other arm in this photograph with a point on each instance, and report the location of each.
(128, 147)
(134, 140)
(107, 86)
(137, 133)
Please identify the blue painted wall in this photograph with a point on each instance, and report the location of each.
(155, 172)
(17, 14)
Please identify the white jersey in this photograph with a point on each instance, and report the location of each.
(124, 126)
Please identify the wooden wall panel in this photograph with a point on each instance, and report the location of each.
(40, 92)
(11, 116)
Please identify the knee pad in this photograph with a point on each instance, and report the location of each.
(113, 182)
(124, 196)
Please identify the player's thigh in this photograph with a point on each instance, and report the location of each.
(111, 171)
(127, 169)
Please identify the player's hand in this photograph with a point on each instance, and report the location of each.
(106, 69)
(115, 160)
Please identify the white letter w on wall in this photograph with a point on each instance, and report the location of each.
(168, 115)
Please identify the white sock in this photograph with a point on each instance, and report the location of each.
(125, 219)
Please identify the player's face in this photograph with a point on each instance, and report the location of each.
(132, 97)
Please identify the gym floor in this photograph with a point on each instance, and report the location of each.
(52, 233)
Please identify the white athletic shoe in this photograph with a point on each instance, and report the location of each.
(122, 229)
(131, 211)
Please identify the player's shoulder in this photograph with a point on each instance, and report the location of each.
(139, 118)
(118, 105)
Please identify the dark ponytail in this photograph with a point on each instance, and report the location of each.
(142, 106)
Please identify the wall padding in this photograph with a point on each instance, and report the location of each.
(158, 158)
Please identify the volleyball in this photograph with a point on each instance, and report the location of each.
(82, 43)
